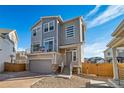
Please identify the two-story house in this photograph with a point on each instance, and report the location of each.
(57, 43)
(8, 46)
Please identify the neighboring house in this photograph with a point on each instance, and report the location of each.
(108, 54)
(95, 60)
(8, 45)
(57, 43)
(114, 44)
(21, 57)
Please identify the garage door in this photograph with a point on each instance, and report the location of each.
(41, 66)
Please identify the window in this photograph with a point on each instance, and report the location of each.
(36, 47)
(47, 27)
(108, 53)
(70, 31)
(34, 32)
(14, 49)
(38, 28)
(48, 44)
(74, 55)
(51, 26)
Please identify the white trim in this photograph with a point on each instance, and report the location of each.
(41, 35)
(66, 32)
(44, 26)
(48, 23)
(57, 37)
(81, 31)
(35, 28)
(69, 46)
(48, 39)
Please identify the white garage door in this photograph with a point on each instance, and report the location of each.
(41, 66)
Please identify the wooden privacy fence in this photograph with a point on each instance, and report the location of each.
(104, 69)
(14, 67)
(121, 71)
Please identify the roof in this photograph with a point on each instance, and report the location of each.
(106, 49)
(58, 17)
(72, 19)
(5, 31)
(118, 28)
(2, 30)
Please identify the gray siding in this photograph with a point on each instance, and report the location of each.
(76, 39)
(62, 40)
(38, 38)
(50, 34)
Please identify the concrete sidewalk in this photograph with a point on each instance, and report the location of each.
(99, 84)
(116, 84)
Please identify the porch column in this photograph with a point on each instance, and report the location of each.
(115, 63)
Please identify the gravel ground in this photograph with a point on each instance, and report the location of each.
(57, 82)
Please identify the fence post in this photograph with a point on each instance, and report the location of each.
(97, 70)
(87, 69)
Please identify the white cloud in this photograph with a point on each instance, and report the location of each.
(95, 50)
(92, 12)
(110, 13)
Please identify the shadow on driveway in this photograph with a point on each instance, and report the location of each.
(18, 75)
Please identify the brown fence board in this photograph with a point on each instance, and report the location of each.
(121, 70)
(14, 67)
(104, 69)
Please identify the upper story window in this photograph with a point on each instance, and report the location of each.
(51, 25)
(35, 31)
(108, 53)
(48, 27)
(70, 31)
(45, 27)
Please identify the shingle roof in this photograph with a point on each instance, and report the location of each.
(5, 31)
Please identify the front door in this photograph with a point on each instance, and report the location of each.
(68, 58)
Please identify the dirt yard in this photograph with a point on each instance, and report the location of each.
(57, 82)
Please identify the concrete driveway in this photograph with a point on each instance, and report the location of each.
(18, 79)
(98, 82)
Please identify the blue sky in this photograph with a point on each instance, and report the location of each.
(101, 21)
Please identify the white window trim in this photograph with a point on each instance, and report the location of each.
(35, 28)
(73, 55)
(44, 26)
(48, 23)
(48, 39)
(66, 32)
(53, 21)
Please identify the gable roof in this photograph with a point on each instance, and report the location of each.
(58, 17)
(7, 31)
(118, 28)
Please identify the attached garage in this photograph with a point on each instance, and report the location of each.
(41, 66)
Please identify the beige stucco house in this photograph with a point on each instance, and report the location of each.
(108, 54)
(57, 44)
(8, 46)
(117, 41)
